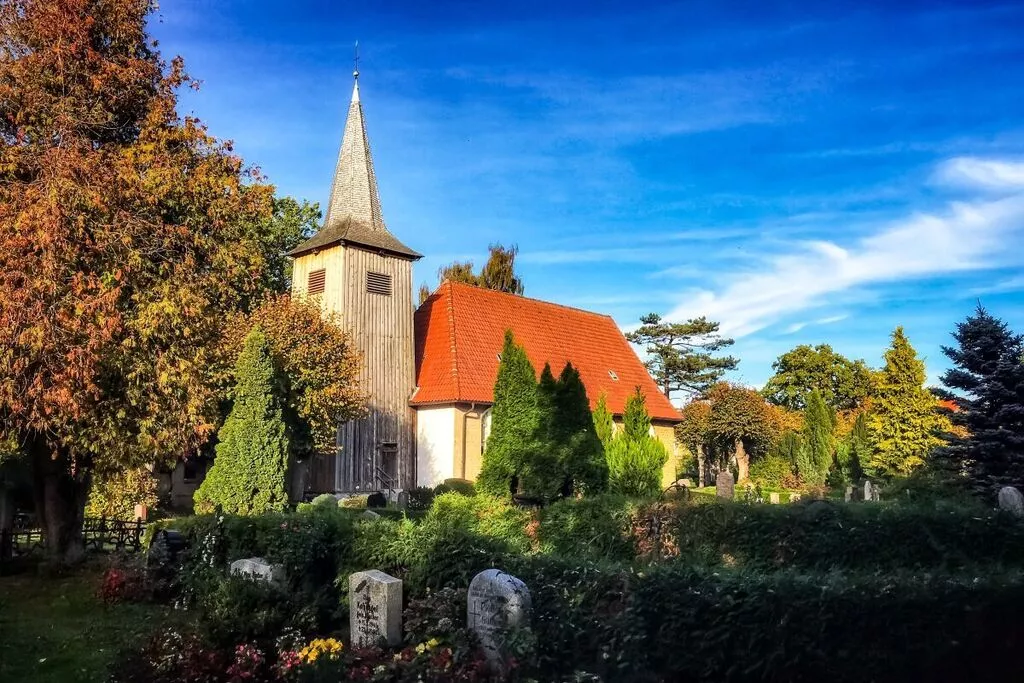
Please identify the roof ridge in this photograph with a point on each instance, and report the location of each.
(530, 298)
(452, 337)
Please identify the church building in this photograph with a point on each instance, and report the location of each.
(430, 372)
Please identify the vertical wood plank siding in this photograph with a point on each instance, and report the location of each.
(382, 329)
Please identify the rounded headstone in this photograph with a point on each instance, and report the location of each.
(1011, 500)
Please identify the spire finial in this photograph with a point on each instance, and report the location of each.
(355, 71)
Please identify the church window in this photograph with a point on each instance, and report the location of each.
(378, 283)
(315, 283)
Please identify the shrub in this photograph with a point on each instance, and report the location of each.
(325, 500)
(421, 498)
(354, 502)
(482, 514)
(596, 528)
(248, 474)
(772, 471)
(461, 486)
(634, 467)
(115, 495)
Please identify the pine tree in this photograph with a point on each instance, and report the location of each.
(603, 421)
(819, 421)
(988, 375)
(905, 424)
(514, 420)
(249, 474)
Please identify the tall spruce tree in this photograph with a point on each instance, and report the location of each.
(819, 422)
(905, 424)
(636, 423)
(857, 449)
(988, 381)
(580, 450)
(249, 474)
(635, 458)
(514, 420)
(604, 423)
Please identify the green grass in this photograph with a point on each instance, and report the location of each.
(56, 630)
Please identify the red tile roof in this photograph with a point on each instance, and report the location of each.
(459, 334)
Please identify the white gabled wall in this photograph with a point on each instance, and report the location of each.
(435, 445)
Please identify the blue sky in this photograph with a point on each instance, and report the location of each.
(801, 172)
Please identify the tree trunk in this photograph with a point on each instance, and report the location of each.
(742, 461)
(700, 465)
(60, 495)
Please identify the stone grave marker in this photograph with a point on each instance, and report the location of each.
(1011, 500)
(496, 601)
(868, 495)
(773, 498)
(258, 568)
(725, 485)
(375, 608)
(849, 494)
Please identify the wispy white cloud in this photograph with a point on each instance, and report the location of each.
(796, 327)
(966, 235)
(986, 174)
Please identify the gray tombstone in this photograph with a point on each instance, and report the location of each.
(375, 608)
(725, 485)
(403, 500)
(496, 601)
(849, 494)
(1011, 500)
(258, 568)
(868, 494)
(773, 498)
(369, 515)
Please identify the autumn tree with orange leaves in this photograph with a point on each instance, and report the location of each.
(125, 242)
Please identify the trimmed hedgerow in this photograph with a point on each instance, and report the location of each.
(820, 535)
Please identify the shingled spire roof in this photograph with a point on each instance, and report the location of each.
(353, 213)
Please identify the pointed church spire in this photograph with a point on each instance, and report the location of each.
(353, 211)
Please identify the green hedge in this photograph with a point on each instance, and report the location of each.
(821, 535)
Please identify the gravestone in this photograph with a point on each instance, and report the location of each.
(773, 498)
(1011, 500)
(725, 485)
(403, 500)
(369, 515)
(375, 608)
(849, 494)
(257, 568)
(496, 601)
(868, 495)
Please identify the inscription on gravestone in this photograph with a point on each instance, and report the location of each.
(375, 611)
(725, 485)
(496, 602)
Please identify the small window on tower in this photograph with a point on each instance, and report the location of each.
(378, 283)
(315, 283)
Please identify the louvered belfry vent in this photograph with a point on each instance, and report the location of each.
(316, 281)
(378, 283)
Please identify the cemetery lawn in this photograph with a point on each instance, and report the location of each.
(57, 630)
